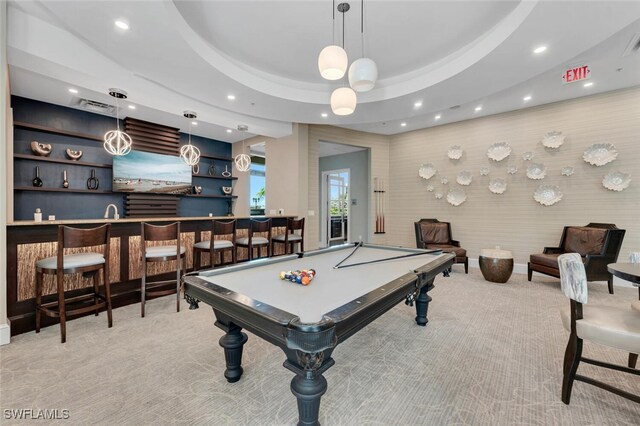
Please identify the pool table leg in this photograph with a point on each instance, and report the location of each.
(309, 385)
(232, 342)
(422, 304)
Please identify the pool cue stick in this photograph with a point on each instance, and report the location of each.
(375, 195)
(388, 258)
(382, 205)
(358, 245)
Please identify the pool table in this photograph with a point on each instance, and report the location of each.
(308, 322)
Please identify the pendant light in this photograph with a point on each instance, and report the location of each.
(242, 161)
(333, 60)
(190, 154)
(343, 99)
(363, 72)
(117, 142)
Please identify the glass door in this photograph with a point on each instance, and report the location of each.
(337, 207)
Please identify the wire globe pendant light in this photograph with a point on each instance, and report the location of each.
(242, 161)
(117, 142)
(333, 60)
(363, 73)
(190, 154)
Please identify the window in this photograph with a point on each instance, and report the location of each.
(257, 185)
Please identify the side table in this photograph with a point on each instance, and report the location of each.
(496, 265)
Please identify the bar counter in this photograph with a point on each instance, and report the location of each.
(29, 241)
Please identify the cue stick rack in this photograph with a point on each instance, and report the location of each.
(378, 195)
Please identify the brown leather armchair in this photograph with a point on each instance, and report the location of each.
(436, 235)
(597, 243)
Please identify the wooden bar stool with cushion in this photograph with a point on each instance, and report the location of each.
(290, 238)
(87, 263)
(160, 254)
(251, 242)
(218, 228)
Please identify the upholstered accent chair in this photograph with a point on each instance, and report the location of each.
(617, 328)
(435, 235)
(597, 243)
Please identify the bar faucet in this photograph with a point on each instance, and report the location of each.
(116, 216)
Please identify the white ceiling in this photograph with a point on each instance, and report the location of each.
(327, 149)
(191, 55)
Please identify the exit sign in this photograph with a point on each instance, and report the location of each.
(578, 73)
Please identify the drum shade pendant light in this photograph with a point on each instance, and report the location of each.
(363, 72)
(190, 154)
(242, 161)
(117, 142)
(333, 60)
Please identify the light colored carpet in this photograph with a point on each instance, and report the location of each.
(491, 354)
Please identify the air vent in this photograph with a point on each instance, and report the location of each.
(95, 106)
(633, 46)
(455, 107)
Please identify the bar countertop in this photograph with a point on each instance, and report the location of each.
(134, 220)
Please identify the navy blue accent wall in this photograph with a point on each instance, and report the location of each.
(92, 205)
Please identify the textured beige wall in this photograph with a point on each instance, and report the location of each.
(514, 220)
(379, 146)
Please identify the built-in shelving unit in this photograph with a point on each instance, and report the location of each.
(45, 189)
(213, 157)
(61, 161)
(210, 196)
(215, 177)
(52, 130)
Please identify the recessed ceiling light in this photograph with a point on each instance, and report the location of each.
(194, 123)
(589, 84)
(121, 24)
(403, 124)
(527, 98)
(132, 107)
(437, 117)
(539, 49)
(324, 115)
(229, 130)
(479, 108)
(231, 97)
(418, 104)
(74, 91)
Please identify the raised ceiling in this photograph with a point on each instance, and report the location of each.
(192, 55)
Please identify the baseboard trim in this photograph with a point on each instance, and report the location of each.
(5, 334)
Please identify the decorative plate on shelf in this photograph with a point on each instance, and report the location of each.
(536, 171)
(464, 178)
(497, 185)
(616, 181)
(553, 140)
(527, 156)
(427, 171)
(484, 171)
(567, 171)
(430, 188)
(457, 196)
(499, 151)
(547, 195)
(455, 152)
(600, 154)
(512, 170)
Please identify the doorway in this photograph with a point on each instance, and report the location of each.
(334, 218)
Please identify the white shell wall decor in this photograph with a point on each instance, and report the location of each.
(616, 181)
(455, 152)
(536, 171)
(512, 170)
(527, 156)
(497, 185)
(464, 178)
(484, 171)
(438, 195)
(499, 151)
(427, 171)
(444, 180)
(600, 154)
(430, 188)
(547, 195)
(553, 140)
(567, 171)
(457, 196)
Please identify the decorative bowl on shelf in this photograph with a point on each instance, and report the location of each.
(547, 195)
(41, 149)
(616, 181)
(427, 171)
(455, 152)
(497, 185)
(600, 154)
(536, 171)
(527, 156)
(457, 196)
(512, 170)
(499, 151)
(484, 171)
(464, 178)
(73, 154)
(226, 190)
(553, 140)
(430, 188)
(567, 171)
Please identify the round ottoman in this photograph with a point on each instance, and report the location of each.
(496, 265)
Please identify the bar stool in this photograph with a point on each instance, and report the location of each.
(251, 242)
(87, 263)
(152, 254)
(290, 238)
(218, 228)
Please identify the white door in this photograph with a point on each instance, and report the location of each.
(335, 217)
